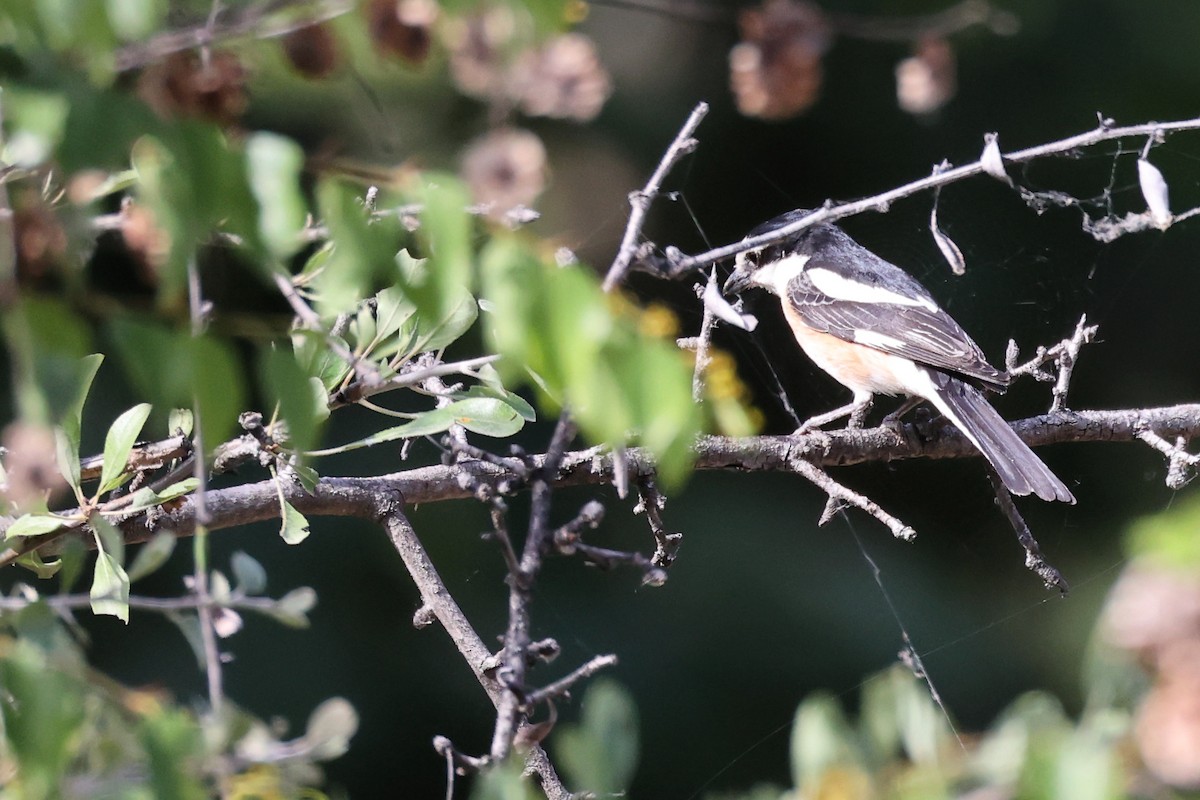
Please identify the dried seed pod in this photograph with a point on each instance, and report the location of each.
(563, 78)
(775, 71)
(928, 79)
(402, 28)
(312, 51)
(504, 169)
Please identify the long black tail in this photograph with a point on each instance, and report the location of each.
(1021, 471)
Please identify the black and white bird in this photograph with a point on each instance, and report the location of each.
(875, 330)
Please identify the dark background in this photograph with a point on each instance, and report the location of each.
(763, 606)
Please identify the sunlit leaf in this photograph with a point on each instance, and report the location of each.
(33, 562)
(287, 386)
(274, 164)
(118, 443)
(484, 415)
(294, 526)
(35, 525)
(110, 588)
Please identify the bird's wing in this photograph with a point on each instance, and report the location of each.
(858, 297)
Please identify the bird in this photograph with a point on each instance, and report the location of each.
(876, 330)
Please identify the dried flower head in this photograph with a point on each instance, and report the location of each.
(30, 464)
(775, 71)
(146, 240)
(563, 78)
(402, 28)
(312, 50)
(478, 45)
(41, 240)
(186, 85)
(505, 169)
(928, 79)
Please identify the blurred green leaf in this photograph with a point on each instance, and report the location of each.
(195, 183)
(43, 711)
(250, 575)
(37, 120)
(446, 233)
(118, 443)
(134, 20)
(152, 555)
(511, 399)
(294, 525)
(47, 344)
(35, 525)
(330, 728)
(174, 370)
(822, 740)
(363, 250)
(601, 752)
(171, 739)
(287, 387)
(555, 323)
(504, 781)
(292, 609)
(274, 166)
(1168, 538)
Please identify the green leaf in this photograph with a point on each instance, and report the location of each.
(110, 587)
(146, 497)
(505, 781)
(515, 401)
(484, 415)
(307, 476)
(180, 420)
(134, 20)
(250, 575)
(619, 382)
(36, 525)
(821, 740)
(294, 528)
(152, 555)
(274, 165)
(292, 609)
(446, 232)
(118, 443)
(67, 435)
(33, 562)
(601, 753)
(363, 251)
(330, 728)
(288, 388)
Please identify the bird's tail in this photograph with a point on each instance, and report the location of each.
(1021, 471)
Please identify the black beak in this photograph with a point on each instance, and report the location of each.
(737, 282)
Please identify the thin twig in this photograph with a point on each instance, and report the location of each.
(360, 389)
(831, 211)
(1181, 465)
(520, 594)
(838, 492)
(1034, 560)
(563, 685)
(947, 22)
(1065, 353)
(640, 201)
(8, 232)
(255, 22)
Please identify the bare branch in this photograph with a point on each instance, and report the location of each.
(1065, 353)
(640, 201)
(840, 493)
(1181, 465)
(1034, 560)
(831, 211)
(563, 685)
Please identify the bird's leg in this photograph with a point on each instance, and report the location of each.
(856, 410)
(892, 420)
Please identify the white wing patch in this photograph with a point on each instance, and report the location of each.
(776, 275)
(840, 287)
(876, 339)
